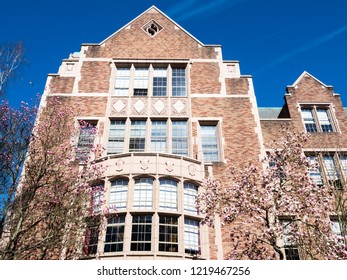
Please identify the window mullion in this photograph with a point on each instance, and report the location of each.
(316, 119)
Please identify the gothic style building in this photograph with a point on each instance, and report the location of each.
(170, 111)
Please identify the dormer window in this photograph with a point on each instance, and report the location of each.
(317, 119)
(152, 28)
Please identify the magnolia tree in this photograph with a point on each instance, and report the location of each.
(15, 133)
(275, 209)
(46, 218)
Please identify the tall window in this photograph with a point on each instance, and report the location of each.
(290, 249)
(158, 136)
(118, 194)
(343, 160)
(168, 234)
(189, 197)
(114, 234)
(314, 171)
(337, 230)
(191, 237)
(141, 233)
(159, 82)
(143, 193)
(141, 82)
(324, 120)
(331, 170)
(85, 140)
(122, 82)
(97, 198)
(180, 138)
(137, 136)
(178, 82)
(92, 239)
(209, 143)
(116, 137)
(309, 120)
(168, 195)
(317, 119)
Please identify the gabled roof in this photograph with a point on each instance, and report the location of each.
(305, 74)
(159, 11)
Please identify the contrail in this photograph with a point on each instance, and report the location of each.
(304, 48)
(180, 7)
(190, 8)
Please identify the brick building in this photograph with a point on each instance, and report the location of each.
(170, 111)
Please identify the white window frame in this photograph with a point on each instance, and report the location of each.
(143, 193)
(168, 194)
(325, 123)
(118, 194)
(129, 77)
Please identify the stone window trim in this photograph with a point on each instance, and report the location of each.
(123, 82)
(318, 117)
(217, 123)
(83, 148)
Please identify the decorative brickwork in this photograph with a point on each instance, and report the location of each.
(61, 84)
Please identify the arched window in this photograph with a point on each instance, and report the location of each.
(189, 197)
(118, 194)
(143, 193)
(168, 195)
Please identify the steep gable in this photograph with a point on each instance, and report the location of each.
(308, 87)
(165, 39)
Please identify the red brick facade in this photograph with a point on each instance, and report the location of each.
(214, 96)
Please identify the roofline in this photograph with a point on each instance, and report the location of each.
(152, 7)
(313, 77)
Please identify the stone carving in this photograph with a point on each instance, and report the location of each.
(179, 107)
(144, 163)
(191, 169)
(119, 106)
(119, 165)
(169, 165)
(139, 106)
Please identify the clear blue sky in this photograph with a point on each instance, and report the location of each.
(275, 41)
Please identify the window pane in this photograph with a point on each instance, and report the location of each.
(315, 172)
(190, 193)
(178, 82)
(116, 137)
(137, 136)
(114, 237)
(180, 138)
(118, 194)
(191, 237)
(330, 168)
(143, 194)
(158, 136)
(85, 140)
(324, 120)
(168, 195)
(159, 82)
(141, 81)
(141, 233)
(122, 82)
(343, 160)
(168, 234)
(307, 116)
(209, 143)
(91, 240)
